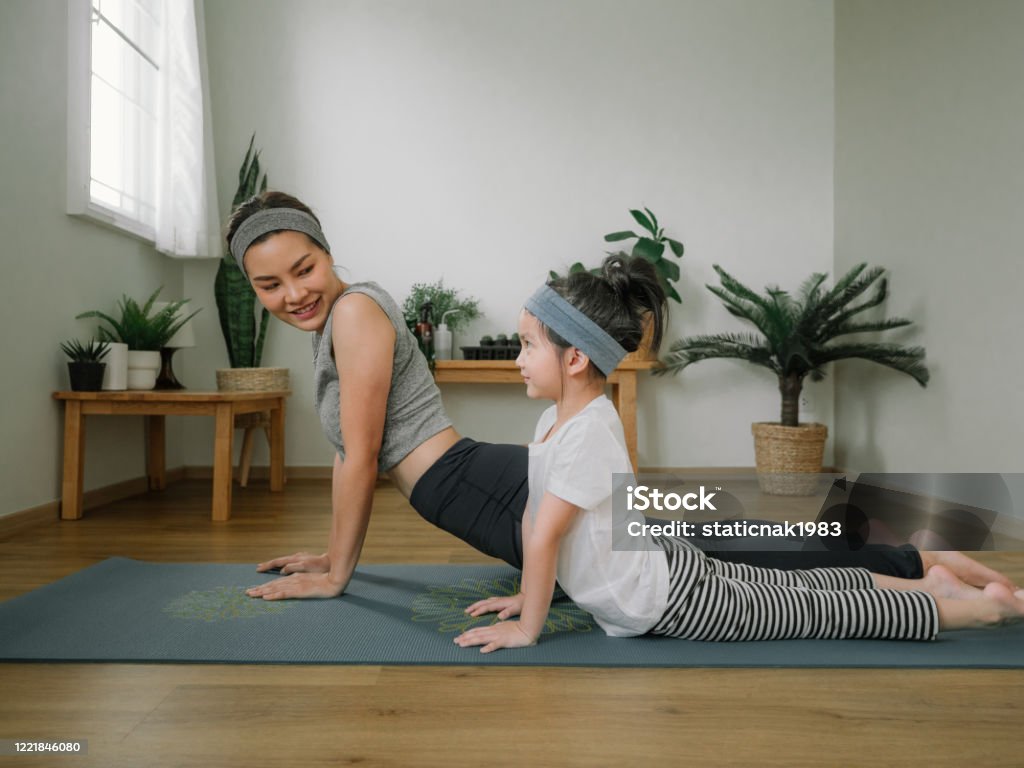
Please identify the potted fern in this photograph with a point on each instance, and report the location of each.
(798, 338)
(85, 364)
(243, 321)
(144, 333)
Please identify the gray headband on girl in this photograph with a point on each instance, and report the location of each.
(576, 328)
(272, 220)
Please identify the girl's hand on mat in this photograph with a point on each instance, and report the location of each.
(300, 562)
(504, 634)
(297, 585)
(506, 607)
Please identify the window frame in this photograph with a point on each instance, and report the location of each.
(79, 147)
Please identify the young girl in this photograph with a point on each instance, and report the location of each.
(382, 412)
(574, 332)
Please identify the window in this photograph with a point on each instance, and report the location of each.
(115, 68)
(138, 135)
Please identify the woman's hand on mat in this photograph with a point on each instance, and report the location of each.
(504, 634)
(297, 585)
(300, 562)
(505, 607)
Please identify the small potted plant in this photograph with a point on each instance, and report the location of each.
(798, 337)
(144, 333)
(443, 301)
(85, 364)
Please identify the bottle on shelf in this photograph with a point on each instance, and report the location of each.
(444, 338)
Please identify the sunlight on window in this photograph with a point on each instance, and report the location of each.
(125, 65)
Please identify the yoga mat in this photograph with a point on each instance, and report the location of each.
(123, 610)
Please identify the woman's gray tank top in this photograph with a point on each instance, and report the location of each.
(414, 409)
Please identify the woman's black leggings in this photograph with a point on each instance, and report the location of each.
(477, 492)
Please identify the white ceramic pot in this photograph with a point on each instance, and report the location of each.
(143, 368)
(115, 375)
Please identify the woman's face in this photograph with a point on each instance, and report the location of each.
(293, 278)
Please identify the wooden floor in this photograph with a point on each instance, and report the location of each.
(206, 715)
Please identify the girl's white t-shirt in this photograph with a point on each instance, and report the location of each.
(626, 591)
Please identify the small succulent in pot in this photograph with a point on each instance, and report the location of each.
(93, 352)
(85, 365)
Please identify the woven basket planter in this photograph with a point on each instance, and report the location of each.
(788, 458)
(252, 380)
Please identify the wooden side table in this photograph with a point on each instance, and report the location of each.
(622, 381)
(155, 405)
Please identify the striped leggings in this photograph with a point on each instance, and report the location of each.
(718, 601)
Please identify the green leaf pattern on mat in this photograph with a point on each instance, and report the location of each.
(221, 604)
(445, 605)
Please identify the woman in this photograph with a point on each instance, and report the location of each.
(382, 412)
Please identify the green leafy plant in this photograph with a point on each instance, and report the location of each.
(93, 352)
(137, 328)
(650, 246)
(442, 299)
(236, 301)
(800, 335)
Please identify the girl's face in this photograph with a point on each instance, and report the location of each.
(293, 278)
(539, 360)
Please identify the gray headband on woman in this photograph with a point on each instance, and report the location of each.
(273, 220)
(576, 328)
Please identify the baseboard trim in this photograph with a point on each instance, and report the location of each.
(16, 522)
(97, 497)
(263, 473)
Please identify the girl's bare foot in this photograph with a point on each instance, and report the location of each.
(966, 568)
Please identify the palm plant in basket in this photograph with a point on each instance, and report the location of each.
(243, 321)
(799, 336)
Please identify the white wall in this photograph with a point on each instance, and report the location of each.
(487, 142)
(930, 184)
(54, 267)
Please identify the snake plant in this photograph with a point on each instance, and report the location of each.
(236, 300)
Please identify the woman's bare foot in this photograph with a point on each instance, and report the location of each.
(966, 568)
(996, 607)
(942, 582)
(1010, 604)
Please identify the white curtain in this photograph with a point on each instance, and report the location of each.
(187, 224)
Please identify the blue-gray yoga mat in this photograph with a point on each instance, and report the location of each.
(124, 610)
